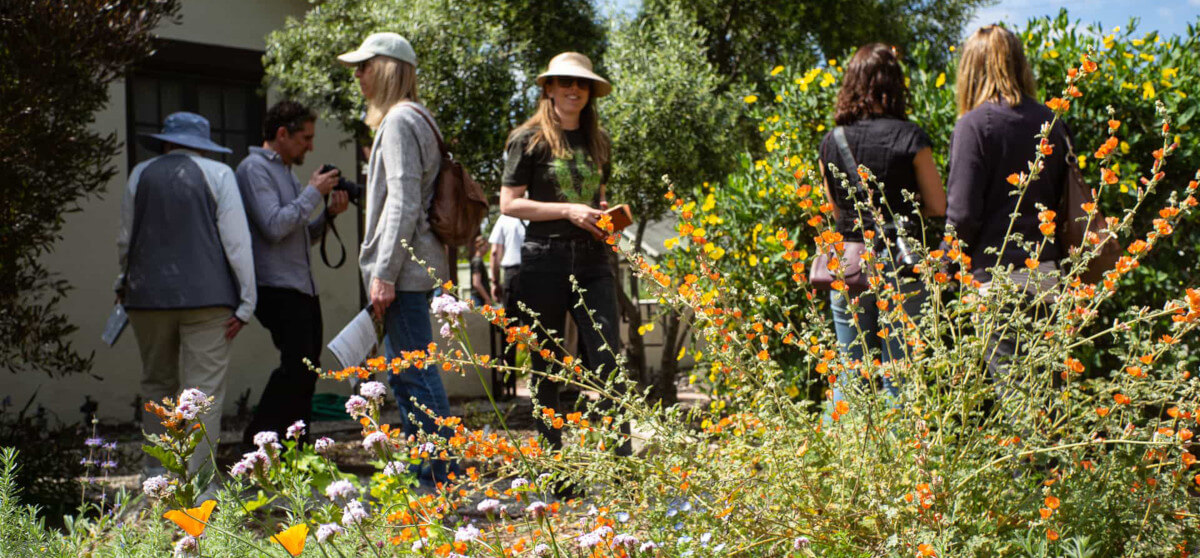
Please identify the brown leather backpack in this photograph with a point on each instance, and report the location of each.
(1074, 225)
(459, 204)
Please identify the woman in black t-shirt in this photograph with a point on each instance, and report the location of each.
(871, 111)
(554, 177)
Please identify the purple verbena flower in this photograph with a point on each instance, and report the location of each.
(328, 530)
(356, 406)
(354, 513)
(186, 547)
(94, 442)
(296, 430)
(266, 438)
(323, 444)
(340, 490)
(375, 441)
(488, 506)
(158, 487)
(468, 533)
(373, 390)
(625, 540)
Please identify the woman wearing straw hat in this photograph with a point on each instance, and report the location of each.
(554, 177)
(400, 183)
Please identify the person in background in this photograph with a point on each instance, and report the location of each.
(282, 230)
(561, 158)
(400, 183)
(871, 117)
(481, 284)
(507, 236)
(995, 136)
(187, 272)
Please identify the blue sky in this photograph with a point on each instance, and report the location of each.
(1169, 17)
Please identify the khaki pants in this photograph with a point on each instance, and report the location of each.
(183, 349)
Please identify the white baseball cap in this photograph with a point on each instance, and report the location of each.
(381, 44)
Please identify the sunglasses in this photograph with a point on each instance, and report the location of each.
(566, 82)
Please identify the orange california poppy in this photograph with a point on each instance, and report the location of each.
(293, 538)
(194, 520)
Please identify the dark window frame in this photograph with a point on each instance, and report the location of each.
(194, 65)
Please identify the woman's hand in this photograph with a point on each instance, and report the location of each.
(585, 217)
(382, 294)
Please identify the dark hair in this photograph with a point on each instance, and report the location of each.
(288, 114)
(873, 79)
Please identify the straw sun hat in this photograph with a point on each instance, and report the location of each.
(573, 64)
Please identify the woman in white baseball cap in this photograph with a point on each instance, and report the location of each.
(557, 167)
(401, 172)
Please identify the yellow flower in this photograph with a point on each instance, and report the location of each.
(1147, 57)
(1148, 91)
(709, 203)
(1124, 147)
(952, 49)
(1082, 161)
(1181, 94)
(671, 242)
(753, 260)
(682, 353)
(1108, 42)
(940, 81)
(778, 99)
(1050, 54)
(1137, 42)
(770, 144)
(1168, 73)
(750, 99)
(776, 70)
(793, 391)
(820, 127)
(827, 79)
(833, 61)
(717, 253)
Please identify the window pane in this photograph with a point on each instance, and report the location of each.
(145, 99)
(236, 142)
(170, 95)
(209, 99)
(235, 108)
(140, 151)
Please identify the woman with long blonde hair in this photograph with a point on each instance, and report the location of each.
(401, 172)
(994, 138)
(555, 176)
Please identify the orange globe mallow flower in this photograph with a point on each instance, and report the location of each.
(193, 520)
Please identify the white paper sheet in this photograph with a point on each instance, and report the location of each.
(353, 344)
(115, 325)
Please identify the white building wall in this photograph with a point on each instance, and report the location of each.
(86, 256)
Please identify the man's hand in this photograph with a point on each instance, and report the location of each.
(324, 183)
(338, 202)
(232, 326)
(497, 292)
(382, 294)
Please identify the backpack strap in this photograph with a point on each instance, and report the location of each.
(839, 136)
(432, 128)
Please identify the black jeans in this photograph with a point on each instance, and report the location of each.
(547, 265)
(294, 320)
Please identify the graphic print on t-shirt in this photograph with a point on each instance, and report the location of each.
(578, 180)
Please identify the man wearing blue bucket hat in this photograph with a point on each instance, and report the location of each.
(187, 273)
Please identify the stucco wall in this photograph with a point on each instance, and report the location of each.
(86, 256)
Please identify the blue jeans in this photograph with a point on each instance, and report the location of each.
(868, 322)
(407, 327)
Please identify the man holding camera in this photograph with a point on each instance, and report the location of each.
(278, 208)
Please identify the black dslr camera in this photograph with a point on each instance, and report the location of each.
(352, 189)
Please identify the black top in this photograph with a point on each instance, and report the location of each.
(477, 266)
(548, 179)
(989, 143)
(887, 147)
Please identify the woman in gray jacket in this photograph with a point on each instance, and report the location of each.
(400, 183)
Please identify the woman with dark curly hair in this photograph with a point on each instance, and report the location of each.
(873, 131)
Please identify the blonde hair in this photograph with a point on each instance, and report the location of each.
(393, 81)
(548, 129)
(993, 67)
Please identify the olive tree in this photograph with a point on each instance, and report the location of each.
(669, 121)
(57, 60)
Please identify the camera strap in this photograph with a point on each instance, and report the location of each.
(329, 226)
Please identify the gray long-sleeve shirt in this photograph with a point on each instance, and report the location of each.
(278, 208)
(400, 181)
